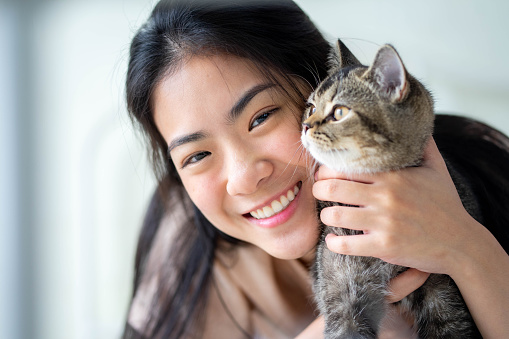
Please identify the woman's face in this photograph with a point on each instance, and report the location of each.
(234, 138)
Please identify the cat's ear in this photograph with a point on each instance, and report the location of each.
(341, 57)
(389, 74)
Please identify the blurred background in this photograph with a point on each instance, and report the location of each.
(74, 176)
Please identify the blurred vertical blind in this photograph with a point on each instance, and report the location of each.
(75, 179)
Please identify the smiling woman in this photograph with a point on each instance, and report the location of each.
(218, 88)
(238, 142)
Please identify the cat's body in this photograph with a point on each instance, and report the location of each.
(368, 120)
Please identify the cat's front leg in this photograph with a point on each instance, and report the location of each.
(351, 293)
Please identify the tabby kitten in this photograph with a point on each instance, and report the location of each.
(368, 120)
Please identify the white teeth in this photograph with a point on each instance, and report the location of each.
(290, 195)
(284, 201)
(276, 206)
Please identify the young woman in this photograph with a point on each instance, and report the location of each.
(218, 88)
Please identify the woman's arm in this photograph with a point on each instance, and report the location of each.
(415, 218)
(482, 275)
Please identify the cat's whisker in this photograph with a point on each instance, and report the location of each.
(305, 80)
(312, 167)
(299, 148)
(294, 171)
(311, 164)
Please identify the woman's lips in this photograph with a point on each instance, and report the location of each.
(273, 218)
(277, 205)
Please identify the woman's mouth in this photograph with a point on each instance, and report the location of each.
(276, 206)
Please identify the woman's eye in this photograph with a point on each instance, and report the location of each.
(261, 119)
(195, 158)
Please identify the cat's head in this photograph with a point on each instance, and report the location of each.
(368, 119)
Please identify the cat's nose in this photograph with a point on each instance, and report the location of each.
(305, 127)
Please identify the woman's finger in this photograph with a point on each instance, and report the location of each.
(405, 283)
(354, 218)
(325, 172)
(343, 191)
(358, 245)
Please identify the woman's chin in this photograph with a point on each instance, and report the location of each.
(289, 249)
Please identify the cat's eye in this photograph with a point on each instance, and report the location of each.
(311, 109)
(340, 112)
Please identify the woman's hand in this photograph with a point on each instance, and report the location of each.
(412, 217)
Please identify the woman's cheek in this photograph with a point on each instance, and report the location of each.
(203, 193)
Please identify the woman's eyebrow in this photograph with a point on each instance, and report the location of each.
(184, 140)
(245, 99)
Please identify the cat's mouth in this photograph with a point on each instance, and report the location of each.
(277, 205)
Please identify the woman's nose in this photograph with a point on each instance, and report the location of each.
(246, 173)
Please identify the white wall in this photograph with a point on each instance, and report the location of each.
(74, 179)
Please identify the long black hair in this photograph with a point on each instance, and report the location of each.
(283, 44)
